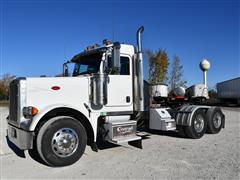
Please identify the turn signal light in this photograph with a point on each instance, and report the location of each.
(34, 111)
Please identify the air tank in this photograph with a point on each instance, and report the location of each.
(179, 91)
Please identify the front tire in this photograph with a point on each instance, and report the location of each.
(198, 125)
(61, 141)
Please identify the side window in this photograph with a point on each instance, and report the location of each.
(125, 65)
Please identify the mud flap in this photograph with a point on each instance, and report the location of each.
(94, 147)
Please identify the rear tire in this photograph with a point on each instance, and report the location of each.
(198, 125)
(61, 141)
(215, 120)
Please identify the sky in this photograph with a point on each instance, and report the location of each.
(37, 36)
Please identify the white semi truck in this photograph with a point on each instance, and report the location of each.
(56, 117)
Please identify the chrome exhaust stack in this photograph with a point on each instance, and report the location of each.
(139, 39)
(139, 68)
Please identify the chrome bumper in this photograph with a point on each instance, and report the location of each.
(22, 139)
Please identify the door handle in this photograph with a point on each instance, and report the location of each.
(128, 99)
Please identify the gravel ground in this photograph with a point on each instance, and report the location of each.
(164, 156)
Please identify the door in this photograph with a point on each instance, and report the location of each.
(120, 87)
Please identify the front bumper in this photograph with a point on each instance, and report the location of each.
(21, 138)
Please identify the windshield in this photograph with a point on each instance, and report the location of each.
(87, 65)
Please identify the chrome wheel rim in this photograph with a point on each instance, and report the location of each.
(64, 142)
(217, 120)
(198, 123)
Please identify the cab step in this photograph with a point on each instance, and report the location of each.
(142, 134)
(125, 139)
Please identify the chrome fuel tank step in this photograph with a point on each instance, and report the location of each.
(120, 132)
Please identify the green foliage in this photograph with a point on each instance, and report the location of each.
(158, 66)
(176, 74)
(4, 86)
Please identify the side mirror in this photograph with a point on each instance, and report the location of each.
(116, 57)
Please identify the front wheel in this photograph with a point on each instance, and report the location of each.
(198, 125)
(61, 141)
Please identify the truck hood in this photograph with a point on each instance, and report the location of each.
(48, 91)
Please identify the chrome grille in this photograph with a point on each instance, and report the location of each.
(13, 100)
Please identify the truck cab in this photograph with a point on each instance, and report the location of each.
(58, 116)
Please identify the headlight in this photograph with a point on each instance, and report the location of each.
(30, 111)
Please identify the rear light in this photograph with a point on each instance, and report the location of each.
(30, 111)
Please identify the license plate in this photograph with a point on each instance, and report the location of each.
(124, 130)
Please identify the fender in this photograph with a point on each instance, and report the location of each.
(44, 111)
(184, 115)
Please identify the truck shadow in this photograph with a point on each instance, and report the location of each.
(168, 133)
(15, 149)
(35, 156)
(105, 145)
(173, 134)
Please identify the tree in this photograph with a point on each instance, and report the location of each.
(4, 86)
(158, 66)
(176, 75)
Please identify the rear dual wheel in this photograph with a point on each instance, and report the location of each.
(212, 122)
(215, 119)
(198, 125)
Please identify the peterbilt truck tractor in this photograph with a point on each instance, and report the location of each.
(101, 100)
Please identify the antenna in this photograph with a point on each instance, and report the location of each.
(65, 49)
(113, 29)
